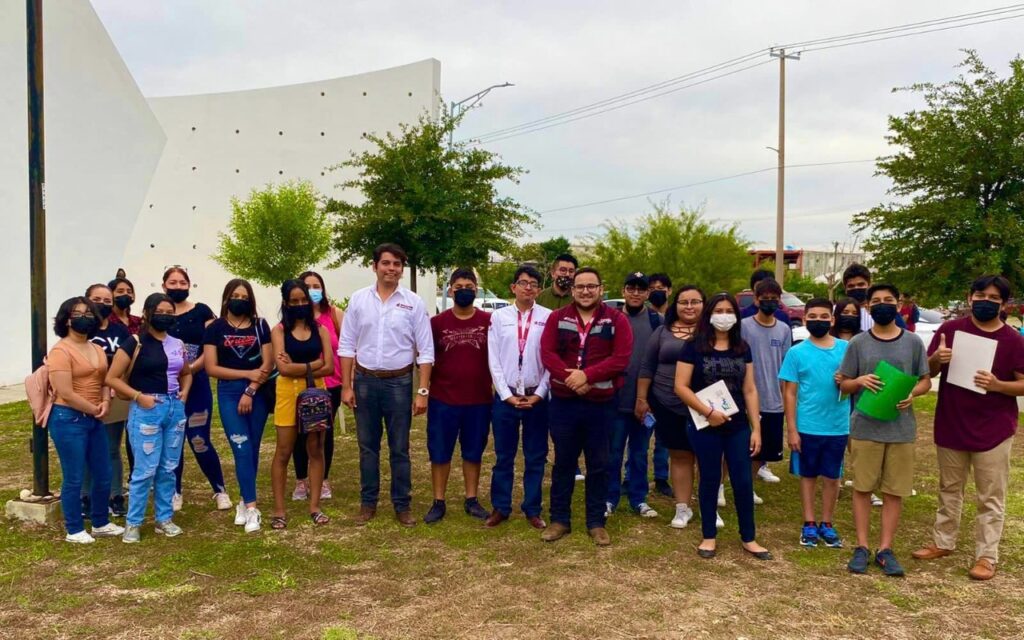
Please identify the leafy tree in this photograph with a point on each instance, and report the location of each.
(437, 200)
(684, 245)
(277, 233)
(959, 176)
(496, 275)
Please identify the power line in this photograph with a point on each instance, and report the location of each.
(915, 33)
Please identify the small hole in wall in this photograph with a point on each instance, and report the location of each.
(193, 207)
(280, 173)
(237, 131)
(364, 93)
(280, 133)
(322, 94)
(193, 168)
(193, 128)
(236, 171)
(410, 94)
(152, 246)
(193, 246)
(322, 134)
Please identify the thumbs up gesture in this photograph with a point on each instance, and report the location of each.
(944, 353)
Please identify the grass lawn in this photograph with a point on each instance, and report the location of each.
(457, 580)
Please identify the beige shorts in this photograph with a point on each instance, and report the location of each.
(885, 467)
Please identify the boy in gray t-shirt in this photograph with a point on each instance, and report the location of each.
(882, 452)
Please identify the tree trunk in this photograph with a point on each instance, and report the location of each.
(412, 277)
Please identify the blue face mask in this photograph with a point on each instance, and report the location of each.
(464, 297)
(316, 295)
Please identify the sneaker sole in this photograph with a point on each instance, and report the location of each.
(834, 545)
(169, 535)
(676, 525)
(130, 541)
(107, 535)
(808, 543)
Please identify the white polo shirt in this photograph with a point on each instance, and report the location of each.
(386, 335)
(507, 324)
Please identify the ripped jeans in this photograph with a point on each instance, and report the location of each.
(156, 436)
(199, 413)
(244, 433)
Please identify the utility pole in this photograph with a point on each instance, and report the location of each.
(780, 204)
(37, 226)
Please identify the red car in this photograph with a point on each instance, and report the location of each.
(792, 305)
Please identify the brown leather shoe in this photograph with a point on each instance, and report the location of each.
(931, 552)
(405, 518)
(555, 531)
(983, 569)
(366, 513)
(600, 536)
(537, 522)
(495, 519)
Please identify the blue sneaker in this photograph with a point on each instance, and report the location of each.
(809, 535)
(859, 562)
(829, 535)
(891, 567)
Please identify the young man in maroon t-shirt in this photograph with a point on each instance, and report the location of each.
(974, 429)
(460, 394)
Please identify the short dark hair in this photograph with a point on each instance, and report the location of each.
(229, 288)
(660, 277)
(856, 270)
(592, 270)
(60, 321)
(527, 270)
(393, 249)
(882, 286)
(815, 303)
(566, 257)
(999, 282)
(462, 274)
(768, 285)
(759, 275)
(671, 314)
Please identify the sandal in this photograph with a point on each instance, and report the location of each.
(318, 517)
(278, 522)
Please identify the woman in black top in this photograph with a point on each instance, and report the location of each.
(301, 347)
(192, 320)
(717, 353)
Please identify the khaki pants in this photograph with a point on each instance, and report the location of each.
(991, 476)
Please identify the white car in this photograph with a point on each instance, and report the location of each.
(485, 299)
(925, 329)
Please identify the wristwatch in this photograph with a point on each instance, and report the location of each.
(423, 391)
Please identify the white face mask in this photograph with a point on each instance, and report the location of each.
(723, 321)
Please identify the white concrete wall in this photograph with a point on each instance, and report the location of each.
(121, 191)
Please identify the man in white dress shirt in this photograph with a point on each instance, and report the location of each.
(521, 389)
(386, 328)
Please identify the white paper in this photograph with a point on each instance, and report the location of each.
(971, 354)
(718, 397)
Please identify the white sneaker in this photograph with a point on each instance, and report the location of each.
(240, 514)
(683, 516)
(646, 511)
(325, 491)
(848, 483)
(766, 474)
(223, 501)
(875, 501)
(721, 495)
(253, 518)
(177, 501)
(758, 499)
(608, 509)
(108, 530)
(719, 523)
(82, 537)
(580, 477)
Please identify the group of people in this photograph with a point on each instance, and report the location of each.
(722, 389)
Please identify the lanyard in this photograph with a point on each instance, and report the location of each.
(584, 331)
(523, 333)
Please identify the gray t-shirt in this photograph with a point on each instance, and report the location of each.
(659, 364)
(907, 354)
(641, 324)
(768, 347)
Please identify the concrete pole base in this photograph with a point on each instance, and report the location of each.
(46, 512)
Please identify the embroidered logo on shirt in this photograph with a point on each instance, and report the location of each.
(404, 306)
(473, 337)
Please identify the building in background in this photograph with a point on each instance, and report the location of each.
(820, 264)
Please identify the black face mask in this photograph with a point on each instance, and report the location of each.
(818, 328)
(106, 310)
(239, 307)
(563, 282)
(860, 295)
(658, 297)
(162, 321)
(884, 313)
(848, 323)
(123, 302)
(85, 325)
(985, 310)
(464, 297)
(768, 307)
(177, 295)
(299, 312)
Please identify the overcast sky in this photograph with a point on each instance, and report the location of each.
(564, 55)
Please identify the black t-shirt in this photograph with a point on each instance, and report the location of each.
(111, 339)
(238, 348)
(191, 327)
(303, 351)
(157, 365)
(709, 368)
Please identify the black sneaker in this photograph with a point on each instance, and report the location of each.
(859, 562)
(437, 511)
(891, 567)
(86, 507)
(664, 488)
(475, 509)
(117, 507)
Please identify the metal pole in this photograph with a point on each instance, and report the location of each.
(780, 203)
(37, 226)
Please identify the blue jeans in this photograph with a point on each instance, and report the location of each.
(384, 403)
(199, 410)
(626, 429)
(81, 443)
(114, 432)
(156, 435)
(579, 426)
(505, 421)
(709, 446)
(244, 433)
(660, 459)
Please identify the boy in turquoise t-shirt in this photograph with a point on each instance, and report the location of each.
(818, 420)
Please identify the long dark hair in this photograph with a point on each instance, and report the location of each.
(149, 306)
(286, 292)
(841, 304)
(60, 321)
(705, 334)
(325, 303)
(229, 288)
(671, 315)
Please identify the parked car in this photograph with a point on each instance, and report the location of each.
(792, 305)
(485, 299)
(925, 329)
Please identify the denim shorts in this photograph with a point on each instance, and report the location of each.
(446, 423)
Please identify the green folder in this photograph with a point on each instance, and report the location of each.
(896, 387)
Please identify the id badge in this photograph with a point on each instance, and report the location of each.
(520, 389)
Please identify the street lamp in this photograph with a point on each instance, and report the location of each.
(472, 101)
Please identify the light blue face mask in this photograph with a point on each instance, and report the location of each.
(316, 295)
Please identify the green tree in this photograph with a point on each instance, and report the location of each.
(437, 200)
(498, 274)
(276, 234)
(959, 176)
(686, 246)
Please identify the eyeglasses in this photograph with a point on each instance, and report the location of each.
(527, 284)
(580, 288)
(690, 303)
(635, 290)
(82, 315)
